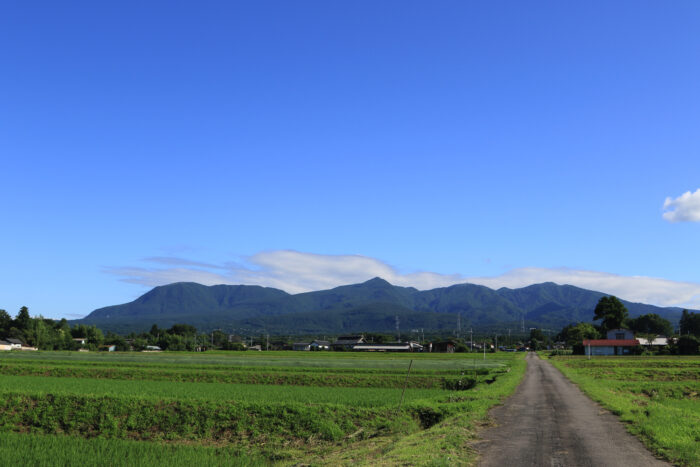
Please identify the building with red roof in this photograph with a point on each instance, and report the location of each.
(618, 342)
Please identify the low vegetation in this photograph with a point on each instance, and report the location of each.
(247, 408)
(657, 398)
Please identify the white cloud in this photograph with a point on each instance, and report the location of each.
(297, 272)
(685, 208)
(651, 290)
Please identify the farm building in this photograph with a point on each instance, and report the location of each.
(320, 345)
(392, 347)
(347, 342)
(658, 341)
(15, 343)
(301, 346)
(443, 347)
(4, 345)
(618, 342)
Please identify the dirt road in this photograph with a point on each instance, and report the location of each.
(548, 421)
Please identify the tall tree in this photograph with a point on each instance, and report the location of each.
(611, 311)
(5, 321)
(22, 320)
(690, 323)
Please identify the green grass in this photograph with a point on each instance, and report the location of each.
(163, 390)
(657, 398)
(51, 450)
(334, 361)
(319, 408)
(298, 376)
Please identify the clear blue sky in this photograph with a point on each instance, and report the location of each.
(143, 142)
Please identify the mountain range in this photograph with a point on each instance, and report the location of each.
(372, 306)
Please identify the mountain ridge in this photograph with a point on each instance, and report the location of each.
(370, 306)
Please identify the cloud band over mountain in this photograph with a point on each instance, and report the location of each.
(297, 272)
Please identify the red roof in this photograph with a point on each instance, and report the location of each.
(611, 342)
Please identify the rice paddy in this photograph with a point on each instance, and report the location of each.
(249, 408)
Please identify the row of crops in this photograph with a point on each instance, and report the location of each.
(284, 407)
(657, 397)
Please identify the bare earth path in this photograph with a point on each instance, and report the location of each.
(548, 421)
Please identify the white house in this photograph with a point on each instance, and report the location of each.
(320, 345)
(4, 345)
(658, 341)
(15, 343)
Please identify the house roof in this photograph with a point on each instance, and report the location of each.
(321, 342)
(301, 343)
(611, 342)
(348, 340)
(382, 347)
(15, 341)
(4, 342)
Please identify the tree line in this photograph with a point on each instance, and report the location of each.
(47, 334)
(613, 314)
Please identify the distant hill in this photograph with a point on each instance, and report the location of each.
(371, 306)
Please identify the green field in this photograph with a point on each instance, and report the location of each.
(657, 398)
(248, 408)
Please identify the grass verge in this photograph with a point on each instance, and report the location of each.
(662, 409)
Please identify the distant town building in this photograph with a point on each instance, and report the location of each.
(15, 343)
(390, 347)
(443, 347)
(347, 342)
(320, 345)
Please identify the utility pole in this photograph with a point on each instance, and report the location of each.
(522, 323)
(398, 331)
(459, 323)
(267, 346)
(471, 340)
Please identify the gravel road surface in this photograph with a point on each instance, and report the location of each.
(548, 421)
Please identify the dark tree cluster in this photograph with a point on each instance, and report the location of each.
(179, 337)
(651, 324)
(47, 334)
(690, 323)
